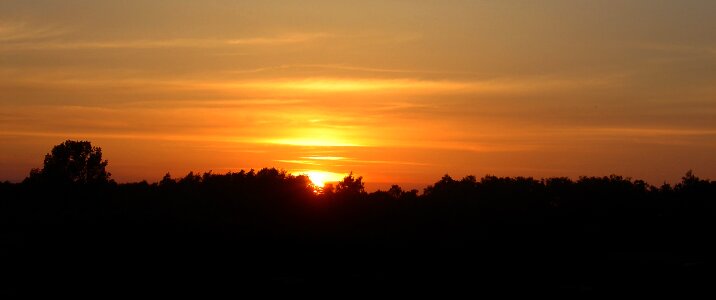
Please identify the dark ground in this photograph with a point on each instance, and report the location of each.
(268, 232)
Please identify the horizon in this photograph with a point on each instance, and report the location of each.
(320, 179)
(398, 93)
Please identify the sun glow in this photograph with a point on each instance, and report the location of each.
(313, 142)
(329, 85)
(320, 178)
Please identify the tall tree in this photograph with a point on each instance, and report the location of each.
(351, 185)
(73, 162)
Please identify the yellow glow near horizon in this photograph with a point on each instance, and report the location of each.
(317, 137)
(313, 142)
(330, 158)
(320, 178)
(349, 85)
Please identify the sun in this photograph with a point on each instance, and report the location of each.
(320, 178)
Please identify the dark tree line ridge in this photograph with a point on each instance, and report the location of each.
(512, 234)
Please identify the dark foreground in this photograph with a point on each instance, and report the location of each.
(269, 232)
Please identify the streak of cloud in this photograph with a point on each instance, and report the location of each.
(23, 40)
(20, 32)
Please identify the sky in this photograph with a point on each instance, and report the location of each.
(394, 91)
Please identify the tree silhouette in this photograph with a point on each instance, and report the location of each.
(73, 162)
(351, 185)
(600, 234)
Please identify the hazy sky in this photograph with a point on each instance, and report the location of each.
(395, 91)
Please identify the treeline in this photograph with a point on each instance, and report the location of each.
(223, 198)
(214, 232)
(589, 234)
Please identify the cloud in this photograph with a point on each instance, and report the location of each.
(679, 49)
(311, 142)
(298, 162)
(14, 32)
(388, 162)
(345, 67)
(120, 136)
(280, 40)
(19, 38)
(644, 132)
(355, 85)
(329, 158)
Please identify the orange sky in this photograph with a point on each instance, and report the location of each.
(399, 92)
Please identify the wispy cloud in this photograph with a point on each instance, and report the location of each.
(340, 161)
(329, 158)
(280, 39)
(346, 67)
(354, 85)
(681, 49)
(389, 162)
(19, 32)
(311, 142)
(645, 132)
(303, 87)
(298, 162)
(19, 38)
(120, 136)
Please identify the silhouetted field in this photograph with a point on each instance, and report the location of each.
(224, 233)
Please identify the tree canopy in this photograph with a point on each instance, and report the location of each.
(73, 162)
(554, 234)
